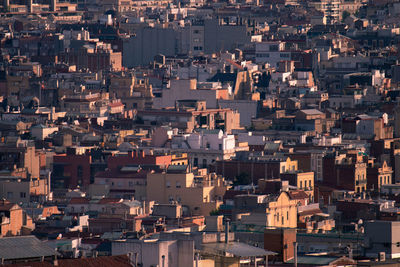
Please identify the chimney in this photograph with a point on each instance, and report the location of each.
(227, 220)
(350, 252)
(55, 262)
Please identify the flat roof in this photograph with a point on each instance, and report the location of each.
(237, 249)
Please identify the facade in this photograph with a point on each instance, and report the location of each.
(14, 220)
(302, 180)
(267, 211)
(268, 167)
(178, 253)
(20, 190)
(207, 146)
(378, 176)
(189, 120)
(71, 170)
(201, 193)
(349, 173)
(94, 58)
(379, 234)
(135, 93)
(272, 53)
(127, 182)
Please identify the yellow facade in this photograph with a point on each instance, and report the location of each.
(179, 159)
(282, 212)
(289, 165)
(302, 180)
(201, 195)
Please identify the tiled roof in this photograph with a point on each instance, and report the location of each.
(107, 261)
(297, 194)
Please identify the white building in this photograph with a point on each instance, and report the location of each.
(207, 146)
(154, 252)
(272, 53)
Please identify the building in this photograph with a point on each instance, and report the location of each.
(135, 93)
(382, 237)
(14, 250)
(127, 182)
(22, 190)
(345, 171)
(378, 176)
(93, 57)
(277, 210)
(40, 131)
(14, 220)
(282, 241)
(200, 192)
(205, 147)
(25, 157)
(182, 90)
(272, 53)
(302, 180)
(179, 253)
(256, 167)
(71, 169)
(190, 119)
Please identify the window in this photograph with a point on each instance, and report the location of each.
(22, 194)
(273, 48)
(301, 184)
(168, 184)
(130, 184)
(220, 146)
(284, 55)
(287, 215)
(195, 162)
(204, 163)
(178, 184)
(10, 195)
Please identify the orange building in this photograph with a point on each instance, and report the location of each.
(14, 220)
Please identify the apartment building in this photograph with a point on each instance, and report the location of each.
(200, 192)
